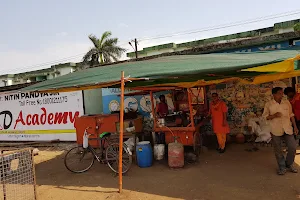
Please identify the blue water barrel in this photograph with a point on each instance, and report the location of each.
(144, 154)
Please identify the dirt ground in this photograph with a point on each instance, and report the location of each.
(237, 174)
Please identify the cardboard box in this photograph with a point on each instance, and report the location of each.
(137, 123)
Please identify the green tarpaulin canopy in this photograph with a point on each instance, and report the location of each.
(180, 68)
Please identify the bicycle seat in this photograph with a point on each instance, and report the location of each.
(104, 134)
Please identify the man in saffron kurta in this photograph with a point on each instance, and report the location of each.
(218, 112)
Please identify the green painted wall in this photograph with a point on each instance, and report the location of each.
(253, 33)
(41, 78)
(92, 101)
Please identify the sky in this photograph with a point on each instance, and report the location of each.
(36, 34)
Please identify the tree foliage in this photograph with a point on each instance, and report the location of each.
(297, 27)
(105, 50)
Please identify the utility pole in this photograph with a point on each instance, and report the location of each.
(135, 44)
(135, 47)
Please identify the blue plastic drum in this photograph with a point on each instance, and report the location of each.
(144, 154)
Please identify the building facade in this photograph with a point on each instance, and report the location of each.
(277, 29)
(38, 75)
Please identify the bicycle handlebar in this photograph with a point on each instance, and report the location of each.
(86, 130)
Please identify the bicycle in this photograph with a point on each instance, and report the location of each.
(86, 155)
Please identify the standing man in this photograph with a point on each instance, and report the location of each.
(295, 101)
(218, 113)
(280, 115)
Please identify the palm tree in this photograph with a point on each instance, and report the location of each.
(105, 50)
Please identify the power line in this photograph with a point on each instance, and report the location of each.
(222, 26)
(238, 23)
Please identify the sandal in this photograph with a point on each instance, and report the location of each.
(292, 169)
(222, 151)
(281, 172)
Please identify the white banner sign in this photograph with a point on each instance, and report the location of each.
(39, 116)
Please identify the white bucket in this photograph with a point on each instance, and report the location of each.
(159, 151)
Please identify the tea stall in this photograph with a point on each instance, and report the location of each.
(182, 121)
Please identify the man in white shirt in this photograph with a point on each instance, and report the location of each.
(280, 115)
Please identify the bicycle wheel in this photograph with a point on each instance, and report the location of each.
(79, 160)
(112, 158)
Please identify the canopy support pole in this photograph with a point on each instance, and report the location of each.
(121, 133)
(153, 109)
(191, 107)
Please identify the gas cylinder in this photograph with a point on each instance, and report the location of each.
(240, 138)
(175, 154)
